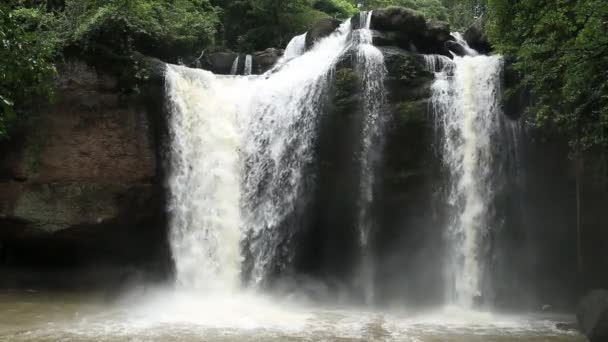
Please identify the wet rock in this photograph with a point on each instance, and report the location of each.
(265, 60)
(322, 29)
(408, 29)
(439, 31)
(476, 37)
(592, 315)
(404, 20)
(219, 62)
(456, 48)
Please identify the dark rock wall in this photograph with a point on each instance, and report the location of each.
(409, 234)
(80, 186)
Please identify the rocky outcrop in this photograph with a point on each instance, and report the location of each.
(221, 62)
(265, 60)
(592, 315)
(409, 30)
(322, 29)
(476, 37)
(80, 185)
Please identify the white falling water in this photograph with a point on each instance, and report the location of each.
(238, 149)
(235, 66)
(248, 65)
(466, 97)
(280, 145)
(205, 178)
(370, 62)
(460, 40)
(295, 48)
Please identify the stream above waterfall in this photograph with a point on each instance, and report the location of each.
(168, 315)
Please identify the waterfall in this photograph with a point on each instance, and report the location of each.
(248, 65)
(279, 147)
(235, 66)
(466, 104)
(296, 47)
(204, 178)
(370, 63)
(239, 147)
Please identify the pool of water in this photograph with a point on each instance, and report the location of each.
(179, 316)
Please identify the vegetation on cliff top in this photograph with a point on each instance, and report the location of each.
(560, 47)
(561, 51)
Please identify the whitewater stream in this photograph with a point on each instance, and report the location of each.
(181, 316)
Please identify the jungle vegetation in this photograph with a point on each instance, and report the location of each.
(559, 47)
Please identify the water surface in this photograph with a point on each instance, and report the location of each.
(168, 315)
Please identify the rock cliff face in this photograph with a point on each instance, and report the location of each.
(80, 186)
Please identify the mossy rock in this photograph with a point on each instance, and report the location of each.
(412, 112)
(408, 68)
(346, 88)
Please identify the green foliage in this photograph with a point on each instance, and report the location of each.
(431, 9)
(178, 25)
(26, 63)
(336, 8)
(561, 51)
(258, 24)
(462, 13)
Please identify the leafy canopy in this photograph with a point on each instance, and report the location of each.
(177, 25)
(561, 50)
(431, 9)
(26, 64)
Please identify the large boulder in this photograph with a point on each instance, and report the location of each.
(476, 37)
(400, 19)
(592, 315)
(320, 30)
(264, 60)
(409, 30)
(219, 62)
(456, 48)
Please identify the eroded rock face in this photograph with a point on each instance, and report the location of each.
(86, 165)
(592, 315)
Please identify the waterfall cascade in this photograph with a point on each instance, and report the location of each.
(370, 62)
(205, 178)
(235, 66)
(238, 162)
(466, 105)
(295, 48)
(248, 65)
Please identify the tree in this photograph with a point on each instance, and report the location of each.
(157, 27)
(258, 24)
(462, 13)
(26, 64)
(431, 9)
(561, 49)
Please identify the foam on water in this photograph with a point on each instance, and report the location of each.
(189, 316)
